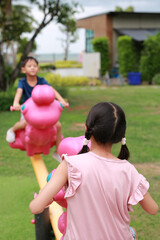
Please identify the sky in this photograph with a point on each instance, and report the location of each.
(48, 41)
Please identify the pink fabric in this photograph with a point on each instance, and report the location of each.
(99, 195)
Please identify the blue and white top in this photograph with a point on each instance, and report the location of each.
(27, 89)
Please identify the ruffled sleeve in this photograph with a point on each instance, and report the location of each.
(74, 178)
(139, 192)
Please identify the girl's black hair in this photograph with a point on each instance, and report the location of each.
(27, 59)
(106, 122)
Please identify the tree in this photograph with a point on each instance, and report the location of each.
(128, 9)
(22, 45)
(56, 10)
(70, 31)
(4, 11)
(118, 9)
(14, 21)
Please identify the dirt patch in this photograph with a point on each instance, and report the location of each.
(154, 110)
(149, 168)
(78, 108)
(80, 124)
(77, 126)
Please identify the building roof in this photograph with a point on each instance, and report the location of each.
(138, 34)
(112, 13)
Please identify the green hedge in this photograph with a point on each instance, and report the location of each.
(6, 99)
(57, 80)
(156, 79)
(68, 64)
(46, 66)
(101, 45)
(128, 55)
(60, 64)
(150, 58)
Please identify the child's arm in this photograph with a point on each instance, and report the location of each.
(45, 197)
(60, 99)
(17, 98)
(149, 205)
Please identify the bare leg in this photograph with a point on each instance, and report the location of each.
(19, 125)
(10, 136)
(58, 136)
(58, 140)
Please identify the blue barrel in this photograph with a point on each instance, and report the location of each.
(134, 78)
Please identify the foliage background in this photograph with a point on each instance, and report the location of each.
(102, 45)
(128, 55)
(150, 59)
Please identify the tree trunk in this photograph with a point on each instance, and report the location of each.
(3, 80)
(13, 53)
(8, 8)
(66, 50)
(17, 69)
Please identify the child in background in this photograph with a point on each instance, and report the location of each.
(25, 86)
(100, 186)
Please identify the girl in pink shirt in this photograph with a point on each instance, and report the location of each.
(100, 188)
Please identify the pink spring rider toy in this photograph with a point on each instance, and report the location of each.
(41, 111)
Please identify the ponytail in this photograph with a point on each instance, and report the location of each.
(124, 152)
(85, 147)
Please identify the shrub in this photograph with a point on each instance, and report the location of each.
(128, 56)
(150, 58)
(7, 71)
(46, 66)
(57, 80)
(63, 91)
(68, 64)
(6, 100)
(156, 79)
(60, 64)
(101, 45)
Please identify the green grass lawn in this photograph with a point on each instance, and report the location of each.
(17, 179)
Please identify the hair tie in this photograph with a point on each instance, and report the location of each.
(85, 141)
(123, 141)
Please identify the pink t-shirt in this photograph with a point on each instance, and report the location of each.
(99, 195)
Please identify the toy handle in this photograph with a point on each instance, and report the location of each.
(12, 108)
(67, 106)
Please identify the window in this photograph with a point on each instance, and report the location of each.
(89, 37)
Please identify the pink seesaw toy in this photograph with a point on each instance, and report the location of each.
(59, 198)
(41, 111)
(69, 146)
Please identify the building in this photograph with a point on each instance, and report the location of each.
(138, 25)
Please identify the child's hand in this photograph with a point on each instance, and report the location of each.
(65, 104)
(17, 106)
